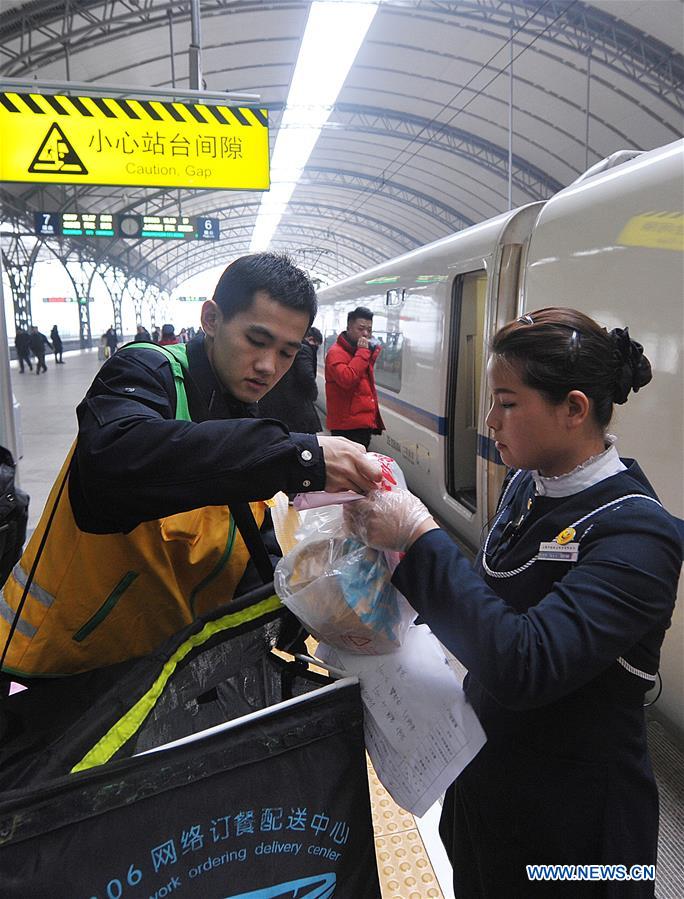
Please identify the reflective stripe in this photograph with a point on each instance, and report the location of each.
(632, 670)
(8, 613)
(133, 719)
(36, 591)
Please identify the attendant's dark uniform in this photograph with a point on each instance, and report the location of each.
(560, 655)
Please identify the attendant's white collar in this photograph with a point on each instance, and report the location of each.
(590, 472)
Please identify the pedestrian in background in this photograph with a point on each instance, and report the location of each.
(112, 340)
(56, 345)
(352, 399)
(142, 335)
(21, 345)
(292, 399)
(37, 342)
(168, 335)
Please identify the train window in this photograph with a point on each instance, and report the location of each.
(466, 351)
(388, 363)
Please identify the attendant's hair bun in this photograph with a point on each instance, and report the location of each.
(632, 368)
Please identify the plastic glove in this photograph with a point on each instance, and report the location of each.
(388, 519)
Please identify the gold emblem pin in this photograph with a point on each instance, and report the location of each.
(565, 536)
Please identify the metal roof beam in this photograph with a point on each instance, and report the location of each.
(414, 199)
(289, 233)
(399, 241)
(336, 268)
(526, 177)
(619, 46)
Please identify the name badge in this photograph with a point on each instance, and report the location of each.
(555, 552)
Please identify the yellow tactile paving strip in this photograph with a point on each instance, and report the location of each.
(404, 868)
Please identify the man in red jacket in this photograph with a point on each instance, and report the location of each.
(350, 392)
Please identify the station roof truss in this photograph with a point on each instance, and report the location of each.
(451, 112)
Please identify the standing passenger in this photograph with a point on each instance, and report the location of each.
(112, 340)
(56, 345)
(37, 343)
(560, 624)
(168, 336)
(352, 399)
(292, 399)
(22, 345)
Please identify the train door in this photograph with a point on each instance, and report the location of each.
(466, 347)
(504, 305)
(482, 300)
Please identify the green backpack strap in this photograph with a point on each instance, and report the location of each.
(177, 357)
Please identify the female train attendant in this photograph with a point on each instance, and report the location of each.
(560, 622)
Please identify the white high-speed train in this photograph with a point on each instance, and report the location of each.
(612, 245)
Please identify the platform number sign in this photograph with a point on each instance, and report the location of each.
(207, 229)
(47, 224)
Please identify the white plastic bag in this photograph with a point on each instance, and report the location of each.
(340, 589)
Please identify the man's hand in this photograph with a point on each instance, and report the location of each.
(362, 343)
(348, 467)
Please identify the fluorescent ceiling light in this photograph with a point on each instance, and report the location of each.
(333, 35)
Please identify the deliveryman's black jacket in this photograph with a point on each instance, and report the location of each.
(565, 775)
(134, 462)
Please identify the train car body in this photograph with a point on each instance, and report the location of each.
(610, 245)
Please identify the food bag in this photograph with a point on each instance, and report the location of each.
(340, 589)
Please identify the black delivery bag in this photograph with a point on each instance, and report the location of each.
(212, 768)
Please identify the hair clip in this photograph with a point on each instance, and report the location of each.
(526, 320)
(574, 347)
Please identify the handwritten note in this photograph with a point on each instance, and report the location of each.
(420, 730)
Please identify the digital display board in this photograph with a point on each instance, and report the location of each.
(135, 227)
(78, 300)
(88, 224)
(167, 227)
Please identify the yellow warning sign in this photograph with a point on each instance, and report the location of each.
(143, 143)
(56, 154)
